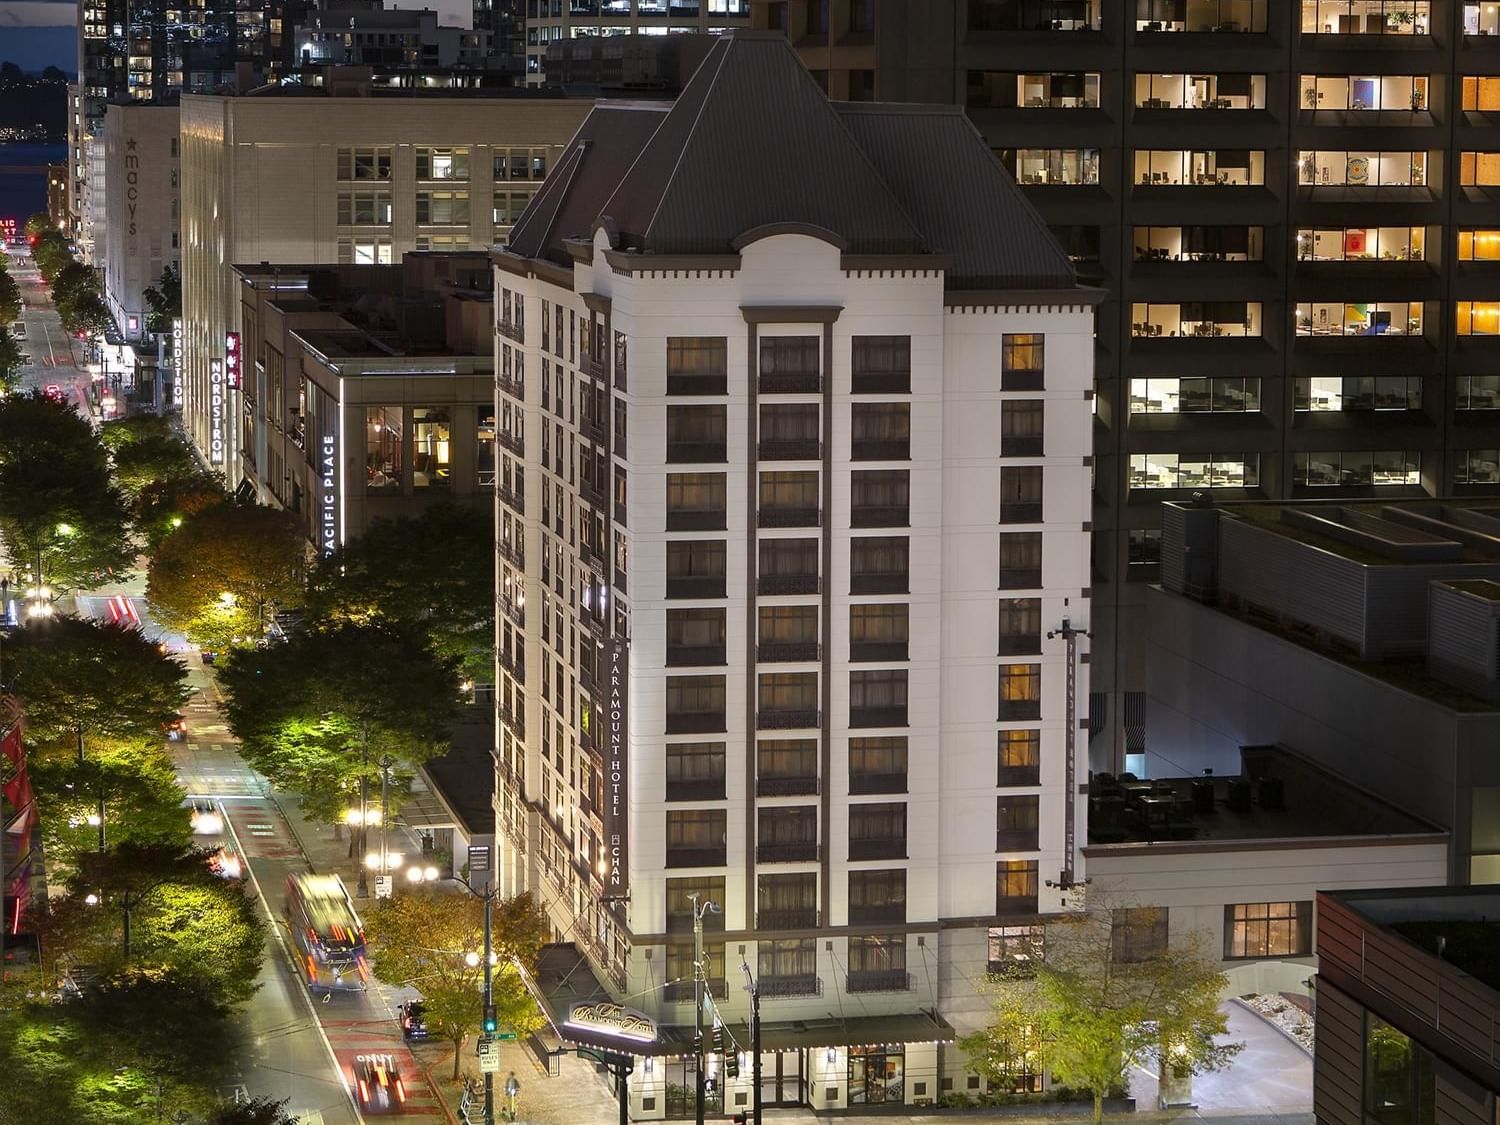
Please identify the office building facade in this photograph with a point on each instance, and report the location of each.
(1292, 206)
(551, 21)
(140, 186)
(793, 504)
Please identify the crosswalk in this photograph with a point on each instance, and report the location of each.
(355, 1041)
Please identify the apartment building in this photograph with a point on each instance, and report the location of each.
(552, 21)
(794, 431)
(141, 189)
(342, 173)
(1292, 206)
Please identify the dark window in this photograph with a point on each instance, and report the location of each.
(1016, 824)
(1137, 933)
(879, 631)
(1020, 757)
(877, 698)
(697, 433)
(708, 888)
(1020, 692)
(1021, 494)
(789, 365)
(879, 565)
(877, 831)
(786, 767)
(1015, 886)
(680, 972)
(1020, 560)
(877, 963)
(1022, 423)
(695, 837)
(881, 365)
(880, 498)
(695, 771)
(788, 967)
(1400, 1083)
(789, 431)
(789, 499)
(786, 834)
(877, 897)
(1022, 361)
(787, 901)
(695, 501)
(1267, 929)
(787, 632)
(877, 765)
(787, 700)
(881, 431)
(1020, 626)
(695, 637)
(697, 365)
(695, 704)
(695, 568)
(788, 566)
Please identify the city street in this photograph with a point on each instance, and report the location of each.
(56, 358)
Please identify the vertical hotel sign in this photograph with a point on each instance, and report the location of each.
(617, 769)
(232, 360)
(216, 411)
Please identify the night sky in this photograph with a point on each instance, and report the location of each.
(39, 33)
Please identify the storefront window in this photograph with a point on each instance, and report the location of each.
(431, 449)
(877, 1075)
(383, 453)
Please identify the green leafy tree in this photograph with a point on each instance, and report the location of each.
(164, 300)
(220, 575)
(163, 506)
(151, 461)
(257, 1111)
(1095, 1009)
(108, 679)
(39, 224)
(319, 712)
(434, 572)
(435, 941)
(12, 359)
(86, 313)
(10, 296)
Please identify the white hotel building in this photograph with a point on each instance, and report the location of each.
(794, 421)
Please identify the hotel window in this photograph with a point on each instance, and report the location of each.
(1020, 627)
(787, 632)
(1022, 427)
(365, 251)
(1200, 91)
(1016, 951)
(877, 831)
(695, 636)
(1358, 392)
(1267, 929)
(443, 208)
(786, 767)
(442, 163)
(1035, 15)
(364, 208)
(695, 837)
(879, 631)
(508, 206)
(789, 364)
(1477, 392)
(1194, 470)
(695, 704)
(1199, 244)
(878, 699)
(880, 431)
(877, 896)
(880, 365)
(1365, 91)
(1016, 886)
(431, 449)
(787, 699)
(1021, 494)
(879, 564)
(1477, 466)
(1137, 933)
(1020, 560)
(484, 447)
(519, 164)
(1233, 167)
(1479, 318)
(1478, 245)
(1482, 18)
(1339, 168)
(680, 892)
(997, 89)
(788, 566)
(1382, 318)
(1366, 17)
(789, 499)
(788, 966)
(1200, 15)
(384, 466)
(1052, 165)
(1348, 469)
(1197, 319)
(1362, 244)
(877, 497)
(697, 365)
(1019, 758)
(695, 771)
(1020, 692)
(696, 501)
(1016, 824)
(1023, 361)
(364, 163)
(1231, 395)
(877, 765)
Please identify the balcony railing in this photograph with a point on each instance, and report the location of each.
(1015, 904)
(864, 784)
(704, 789)
(864, 651)
(683, 923)
(881, 383)
(593, 367)
(789, 450)
(695, 722)
(788, 653)
(694, 656)
(867, 515)
(786, 786)
(880, 583)
(1030, 645)
(803, 984)
(682, 991)
(697, 452)
(885, 913)
(697, 384)
(1020, 578)
(796, 918)
(878, 847)
(696, 857)
(696, 586)
(789, 517)
(516, 388)
(593, 429)
(877, 716)
(696, 519)
(878, 980)
(1021, 511)
(1012, 710)
(870, 449)
(1025, 445)
(791, 383)
(784, 720)
(1022, 381)
(802, 851)
(789, 584)
(1019, 775)
(1017, 840)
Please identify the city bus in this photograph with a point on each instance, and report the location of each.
(328, 935)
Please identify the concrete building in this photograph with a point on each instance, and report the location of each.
(1408, 1002)
(552, 21)
(1352, 633)
(141, 190)
(57, 195)
(784, 397)
(339, 174)
(368, 391)
(368, 34)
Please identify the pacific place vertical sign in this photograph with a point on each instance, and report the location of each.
(328, 495)
(617, 769)
(216, 411)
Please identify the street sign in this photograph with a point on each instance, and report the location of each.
(383, 886)
(489, 1056)
(505, 1036)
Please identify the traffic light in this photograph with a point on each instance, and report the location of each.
(732, 1064)
(491, 1024)
(717, 1038)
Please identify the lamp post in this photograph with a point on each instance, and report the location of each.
(489, 1024)
(699, 980)
(100, 771)
(754, 990)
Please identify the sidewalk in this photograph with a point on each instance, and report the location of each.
(328, 852)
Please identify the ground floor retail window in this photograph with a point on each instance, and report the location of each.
(877, 1075)
(682, 1088)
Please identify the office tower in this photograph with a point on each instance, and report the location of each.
(1292, 206)
(549, 21)
(793, 421)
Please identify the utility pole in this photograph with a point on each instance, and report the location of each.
(1068, 880)
(385, 813)
(699, 981)
(362, 889)
(489, 1001)
(754, 990)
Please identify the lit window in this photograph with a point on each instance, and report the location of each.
(1178, 167)
(1194, 470)
(1357, 469)
(1479, 318)
(1267, 929)
(1365, 92)
(1340, 168)
(1366, 17)
(1381, 318)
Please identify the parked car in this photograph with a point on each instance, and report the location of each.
(413, 1016)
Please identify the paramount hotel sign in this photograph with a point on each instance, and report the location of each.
(617, 769)
(604, 1017)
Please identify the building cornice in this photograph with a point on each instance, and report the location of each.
(1079, 298)
(790, 314)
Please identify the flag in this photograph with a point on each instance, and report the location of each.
(10, 745)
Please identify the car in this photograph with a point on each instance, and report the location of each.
(224, 863)
(176, 729)
(378, 1082)
(206, 819)
(209, 656)
(413, 1017)
(18, 330)
(54, 392)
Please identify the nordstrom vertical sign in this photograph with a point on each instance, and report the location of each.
(216, 411)
(617, 769)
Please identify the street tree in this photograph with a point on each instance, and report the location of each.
(434, 940)
(153, 460)
(257, 1111)
(12, 359)
(435, 572)
(163, 506)
(1098, 1005)
(10, 296)
(164, 300)
(38, 223)
(219, 576)
(109, 680)
(318, 713)
(58, 506)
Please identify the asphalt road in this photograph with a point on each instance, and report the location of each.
(55, 356)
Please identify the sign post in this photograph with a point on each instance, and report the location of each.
(489, 1055)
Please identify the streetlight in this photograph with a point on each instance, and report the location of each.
(754, 990)
(699, 910)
